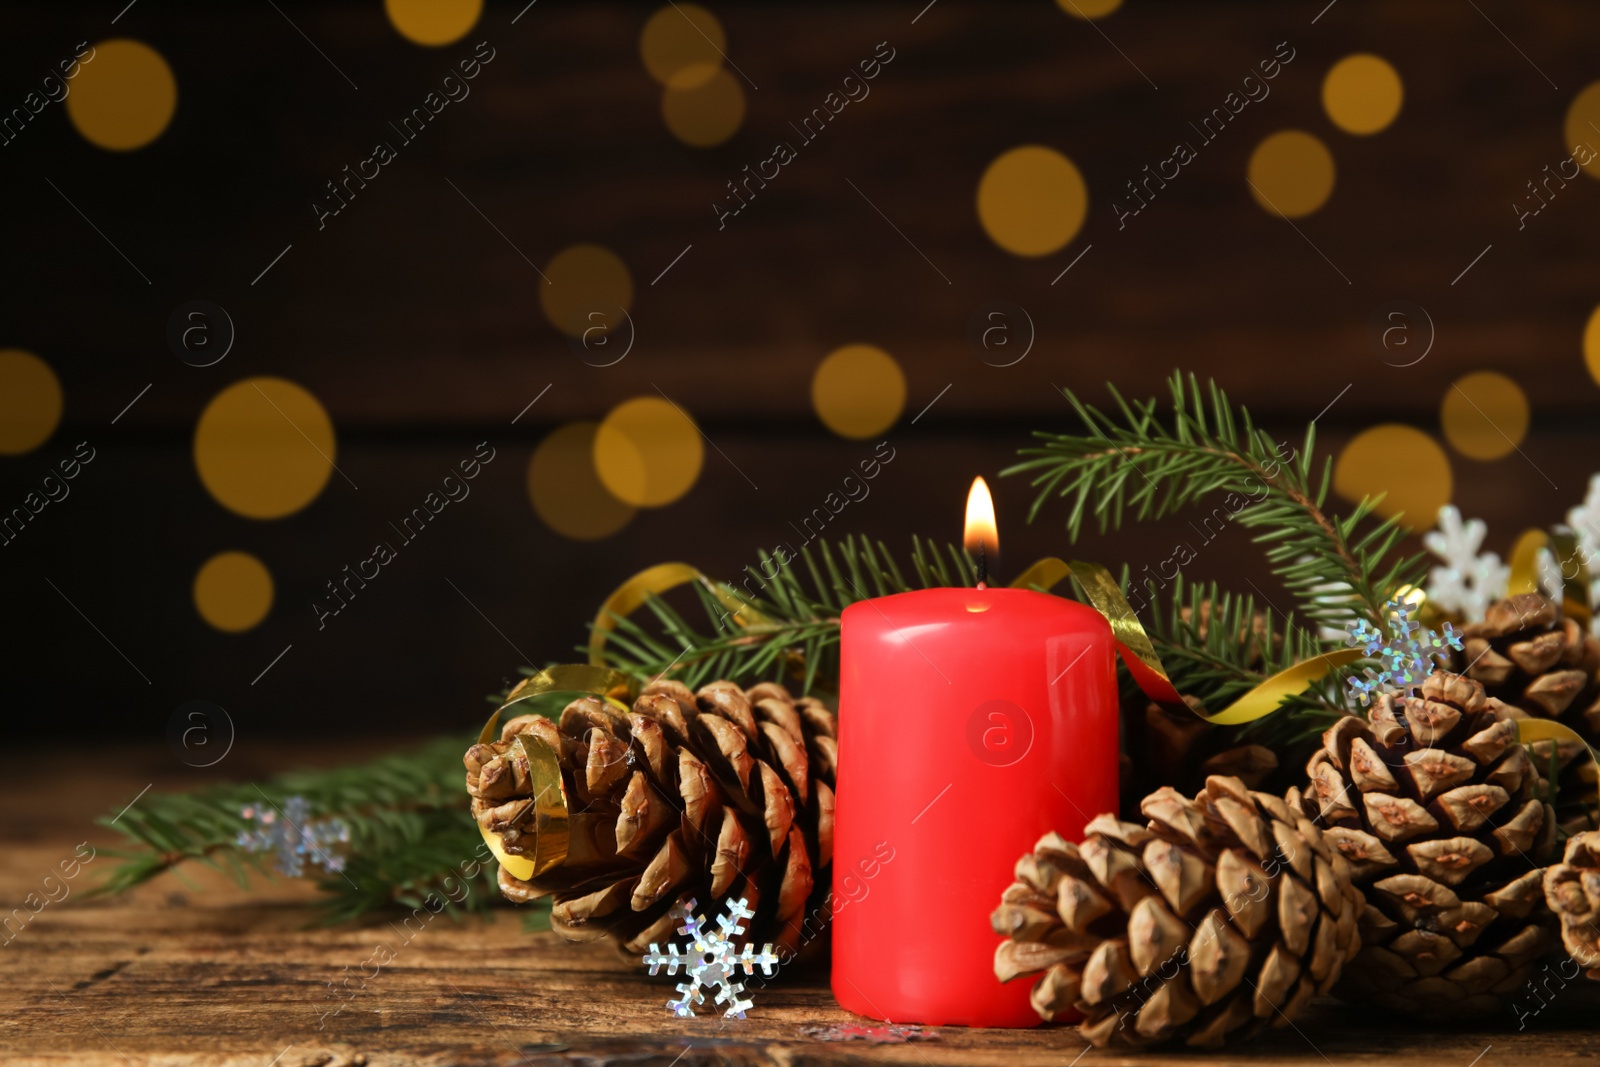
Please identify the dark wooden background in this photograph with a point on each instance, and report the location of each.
(419, 328)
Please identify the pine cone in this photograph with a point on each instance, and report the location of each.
(1184, 750)
(1527, 654)
(1572, 890)
(1228, 912)
(1433, 803)
(709, 795)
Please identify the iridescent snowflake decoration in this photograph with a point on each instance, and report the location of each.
(710, 960)
(294, 837)
(1405, 657)
(1469, 580)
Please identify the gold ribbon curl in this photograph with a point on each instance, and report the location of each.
(551, 835)
(653, 581)
(1133, 643)
(1145, 666)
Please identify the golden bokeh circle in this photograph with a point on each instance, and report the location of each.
(30, 401)
(1401, 462)
(1362, 93)
(233, 591)
(1582, 127)
(565, 490)
(702, 109)
(264, 448)
(123, 96)
(1291, 173)
(683, 45)
(858, 391)
(1088, 9)
(584, 280)
(1485, 415)
(1591, 345)
(1032, 200)
(433, 22)
(648, 452)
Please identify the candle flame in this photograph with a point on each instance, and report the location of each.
(980, 521)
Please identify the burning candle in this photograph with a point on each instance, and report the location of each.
(971, 722)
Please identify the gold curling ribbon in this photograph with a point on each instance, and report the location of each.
(551, 836)
(566, 678)
(1530, 730)
(1132, 641)
(1146, 667)
(653, 581)
(1265, 698)
(1563, 545)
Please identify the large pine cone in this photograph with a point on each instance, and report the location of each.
(723, 793)
(1227, 913)
(1435, 805)
(1527, 654)
(1572, 890)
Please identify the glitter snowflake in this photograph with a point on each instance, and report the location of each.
(1470, 580)
(294, 837)
(1406, 655)
(710, 960)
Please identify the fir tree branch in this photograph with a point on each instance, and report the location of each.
(1337, 568)
(796, 608)
(793, 602)
(410, 832)
(1217, 646)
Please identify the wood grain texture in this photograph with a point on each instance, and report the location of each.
(196, 973)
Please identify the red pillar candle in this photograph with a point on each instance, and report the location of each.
(971, 722)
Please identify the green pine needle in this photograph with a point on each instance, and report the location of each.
(1217, 646)
(791, 605)
(411, 834)
(1338, 568)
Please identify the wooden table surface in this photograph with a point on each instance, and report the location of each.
(199, 972)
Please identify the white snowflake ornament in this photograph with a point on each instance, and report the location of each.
(1406, 657)
(711, 961)
(1551, 584)
(1585, 522)
(1468, 582)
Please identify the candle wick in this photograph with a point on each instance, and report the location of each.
(983, 566)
